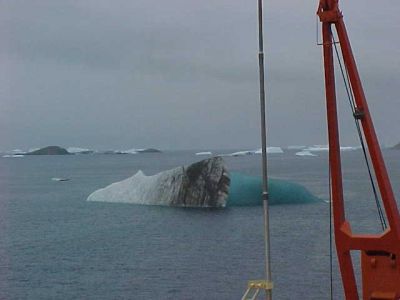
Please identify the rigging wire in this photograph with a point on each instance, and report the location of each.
(350, 97)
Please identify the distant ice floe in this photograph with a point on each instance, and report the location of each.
(204, 153)
(60, 179)
(348, 148)
(139, 150)
(305, 153)
(33, 149)
(17, 151)
(13, 155)
(317, 148)
(77, 150)
(239, 153)
(130, 151)
(296, 147)
(270, 150)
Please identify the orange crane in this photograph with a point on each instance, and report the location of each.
(380, 253)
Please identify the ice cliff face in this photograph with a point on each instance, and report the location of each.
(202, 184)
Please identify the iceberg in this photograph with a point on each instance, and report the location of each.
(13, 155)
(316, 148)
(204, 153)
(136, 151)
(239, 153)
(130, 151)
(296, 147)
(202, 184)
(270, 150)
(148, 150)
(348, 148)
(305, 153)
(60, 179)
(18, 151)
(206, 183)
(78, 150)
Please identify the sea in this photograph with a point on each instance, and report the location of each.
(56, 245)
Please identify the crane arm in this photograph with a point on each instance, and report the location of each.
(380, 254)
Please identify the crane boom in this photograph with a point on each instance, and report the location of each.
(380, 253)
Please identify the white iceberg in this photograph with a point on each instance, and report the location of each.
(13, 155)
(348, 148)
(77, 150)
(139, 150)
(204, 153)
(60, 179)
(270, 150)
(317, 148)
(296, 147)
(240, 153)
(17, 151)
(130, 151)
(305, 153)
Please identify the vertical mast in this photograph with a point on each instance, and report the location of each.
(264, 150)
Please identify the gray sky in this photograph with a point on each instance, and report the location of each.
(183, 74)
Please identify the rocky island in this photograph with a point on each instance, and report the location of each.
(49, 150)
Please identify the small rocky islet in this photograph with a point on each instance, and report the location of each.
(49, 150)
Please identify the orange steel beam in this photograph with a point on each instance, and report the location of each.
(380, 253)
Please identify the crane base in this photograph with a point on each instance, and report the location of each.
(380, 275)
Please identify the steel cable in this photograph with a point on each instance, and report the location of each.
(350, 97)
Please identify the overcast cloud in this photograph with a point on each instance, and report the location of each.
(183, 74)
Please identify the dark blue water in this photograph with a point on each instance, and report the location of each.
(55, 245)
